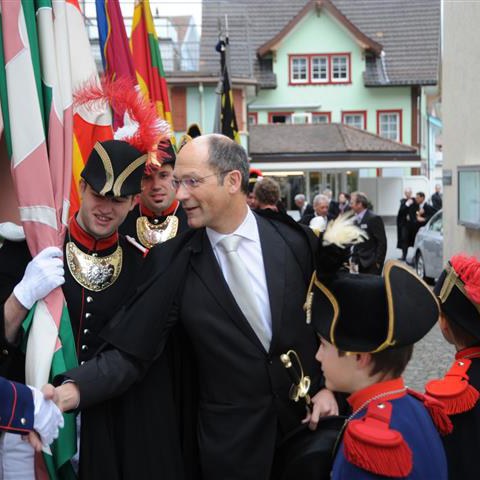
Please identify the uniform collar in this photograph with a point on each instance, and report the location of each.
(470, 352)
(89, 242)
(388, 390)
(148, 213)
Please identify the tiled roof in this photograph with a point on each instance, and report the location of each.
(408, 30)
(320, 138)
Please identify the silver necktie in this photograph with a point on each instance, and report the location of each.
(241, 288)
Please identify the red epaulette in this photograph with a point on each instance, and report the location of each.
(137, 245)
(370, 443)
(453, 390)
(437, 411)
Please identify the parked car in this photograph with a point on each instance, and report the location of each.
(427, 255)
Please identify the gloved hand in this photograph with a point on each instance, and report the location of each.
(43, 274)
(48, 418)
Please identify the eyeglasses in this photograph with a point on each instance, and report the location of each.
(192, 182)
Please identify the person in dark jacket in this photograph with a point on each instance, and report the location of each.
(424, 211)
(458, 290)
(243, 386)
(437, 200)
(369, 255)
(406, 222)
(304, 208)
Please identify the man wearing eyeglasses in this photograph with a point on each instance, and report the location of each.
(237, 283)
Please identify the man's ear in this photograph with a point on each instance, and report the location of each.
(445, 328)
(134, 200)
(234, 181)
(82, 186)
(363, 360)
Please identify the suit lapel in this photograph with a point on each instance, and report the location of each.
(273, 252)
(205, 264)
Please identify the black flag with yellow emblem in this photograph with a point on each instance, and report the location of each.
(227, 124)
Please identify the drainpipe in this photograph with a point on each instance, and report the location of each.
(202, 107)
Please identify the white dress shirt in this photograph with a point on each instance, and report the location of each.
(250, 252)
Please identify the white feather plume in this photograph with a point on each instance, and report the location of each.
(343, 232)
(128, 130)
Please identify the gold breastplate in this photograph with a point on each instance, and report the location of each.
(150, 234)
(92, 272)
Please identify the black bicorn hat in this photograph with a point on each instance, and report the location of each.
(458, 289)
(114, 168)
(370, 313)
(362, 312)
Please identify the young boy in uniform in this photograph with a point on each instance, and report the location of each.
(367, 326)
(458, 290)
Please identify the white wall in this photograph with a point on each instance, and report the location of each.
(385, 193)
(460, 107)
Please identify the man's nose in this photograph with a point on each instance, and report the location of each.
(182, 193)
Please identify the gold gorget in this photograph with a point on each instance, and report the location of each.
(92, 272)
(151, 234)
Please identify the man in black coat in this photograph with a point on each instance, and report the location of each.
(406, 222)
(244, 409)
(304, 208)
(424, 211)
(437, 200)
(370, 254)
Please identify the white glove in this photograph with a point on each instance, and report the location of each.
(43, 274)
(48, 418)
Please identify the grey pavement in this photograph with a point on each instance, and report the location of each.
(432, 356)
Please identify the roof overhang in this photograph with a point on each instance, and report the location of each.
(335, 161)
(363, 40)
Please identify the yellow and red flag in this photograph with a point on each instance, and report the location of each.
(147, 59)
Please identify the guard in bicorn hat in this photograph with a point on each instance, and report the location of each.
(158, 216)
(458, 290)
(367, 327)
(96, 268)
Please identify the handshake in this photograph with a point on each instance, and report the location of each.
(35, 414)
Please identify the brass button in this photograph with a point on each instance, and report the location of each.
(23, 421)
(88, 315)
(4, 351)
(86, 331)
(89, 299)
(84, 348)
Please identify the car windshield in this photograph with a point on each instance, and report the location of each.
(436, 223)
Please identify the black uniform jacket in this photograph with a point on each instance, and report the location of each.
(244, 407)
(107, 450)
(406, 219)
(462, 445)
(373, 250)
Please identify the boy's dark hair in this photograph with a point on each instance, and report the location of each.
(267, 191)
(392, 360)
(460, 335)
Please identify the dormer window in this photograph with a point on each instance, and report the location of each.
(340, 70)
(299, 69)
(321, 68)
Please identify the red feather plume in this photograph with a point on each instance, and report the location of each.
(122, 95)
(468, 269)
